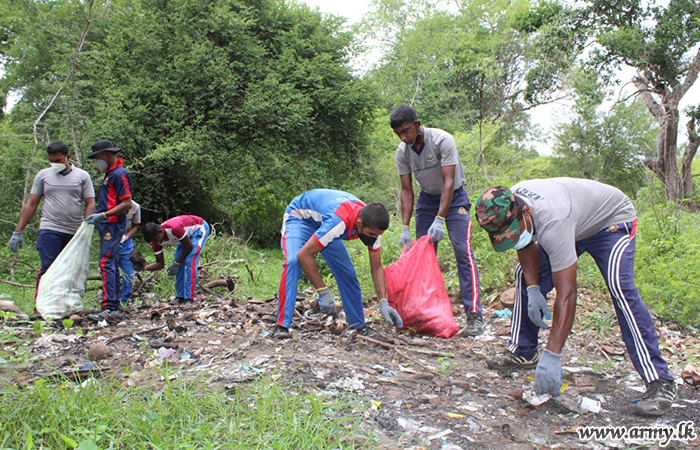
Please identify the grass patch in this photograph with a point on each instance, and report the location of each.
(178, 414)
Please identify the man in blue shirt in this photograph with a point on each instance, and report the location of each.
(112, 206)
(318, 221)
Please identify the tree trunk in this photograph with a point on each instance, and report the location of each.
(665, 165)
(688, 155)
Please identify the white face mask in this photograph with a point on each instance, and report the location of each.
(58, 167)
(101, 165)
(525, 238)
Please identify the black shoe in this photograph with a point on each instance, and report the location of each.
(475, 324)
(510, 360)
(658, 398)
(180, 301)
(281, 333)
(105, 314)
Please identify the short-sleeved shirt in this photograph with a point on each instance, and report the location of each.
(133, 216)
(332, 213)
(176, 229)
(439, 151)
(568, 210)
(116, 187)
(64, 195)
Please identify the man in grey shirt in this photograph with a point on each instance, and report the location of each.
(68, 198)
(430, 154)
(550, 223)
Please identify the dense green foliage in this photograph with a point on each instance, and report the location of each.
(226, 109)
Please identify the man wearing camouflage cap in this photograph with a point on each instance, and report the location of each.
(551, 222)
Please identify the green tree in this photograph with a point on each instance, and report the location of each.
(226, 108)
(607, 146)
(659, 43)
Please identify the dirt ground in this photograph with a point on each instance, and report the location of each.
(427, 392)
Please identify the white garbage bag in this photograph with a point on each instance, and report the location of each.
(62, 287)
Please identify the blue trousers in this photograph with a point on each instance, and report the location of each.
(125, 249)
(459, 229)
(613, 252)
(186, 278)
(295, 233)
(110, 237)
(49, 244)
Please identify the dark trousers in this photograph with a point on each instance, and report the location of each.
(110, 237)
(613, 252)
(459, 229)
(49, 244)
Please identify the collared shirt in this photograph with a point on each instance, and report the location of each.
(176, 229)
(440, 150)
(332, 213)
(116, 186)
(567, 210)
(64, 195)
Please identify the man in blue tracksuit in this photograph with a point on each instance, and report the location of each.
(113, 204)
(430, 154)
(133, 220)
(189, 233)
(550, 223)
(318, 221)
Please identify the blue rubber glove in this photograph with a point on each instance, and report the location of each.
(390, 314)
(548, 374)
(16, 241)
(94, 219)
(173, 269)
(537, 307)
(325, 301)
(405, 240)
(437, 229)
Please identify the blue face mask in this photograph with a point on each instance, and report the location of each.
(525, 239)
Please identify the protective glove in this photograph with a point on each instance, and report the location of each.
(94, 219)
(16, 241)
(437, 229)
(124, 238)
(325, 301)
(390, 313)
(173, 269)
(537, 307)
(548, 374)
(405, 240)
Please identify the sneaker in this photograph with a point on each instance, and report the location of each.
(105, 314)
(510, 360)
(179, 301)
(657, 399)
(475, 324)
(281, 333)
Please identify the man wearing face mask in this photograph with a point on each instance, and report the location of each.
(551, 222)
(430, 154)
(318, 221)
(68, 197)
(112, 206)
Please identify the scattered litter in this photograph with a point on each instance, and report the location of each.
(578, 404)
(691, 374)
(408, 424)
(439, 435)
(535, 400)
(166, 353)
(502, 313)
(185, 356)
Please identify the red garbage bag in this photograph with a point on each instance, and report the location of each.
(417, 291)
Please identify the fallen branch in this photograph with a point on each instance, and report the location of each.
(414, 360)
(12, 283)
(392, 346)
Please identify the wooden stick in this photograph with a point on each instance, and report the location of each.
(12, 283)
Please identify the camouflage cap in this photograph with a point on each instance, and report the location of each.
(497, 213)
